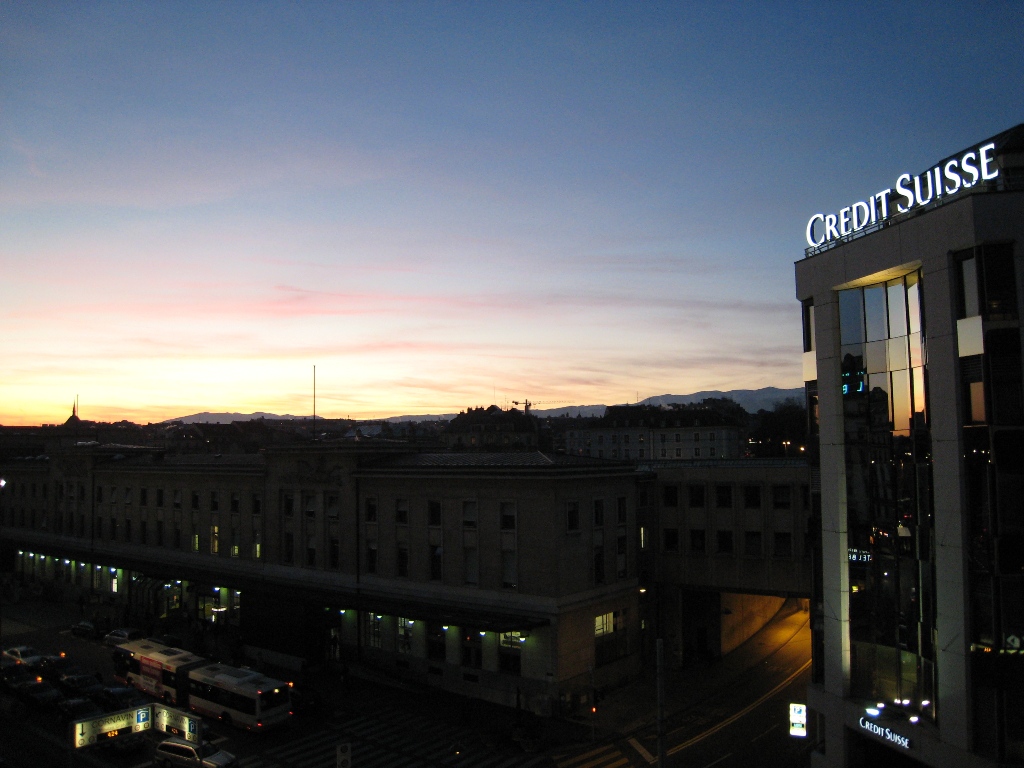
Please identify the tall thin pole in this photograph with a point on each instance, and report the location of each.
(314, 398)
(660, 654)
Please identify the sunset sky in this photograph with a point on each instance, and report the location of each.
(444, 205)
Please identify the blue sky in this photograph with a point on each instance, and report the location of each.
(441, 205)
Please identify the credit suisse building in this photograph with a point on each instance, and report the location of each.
(912, 304)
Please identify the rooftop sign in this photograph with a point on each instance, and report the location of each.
(946, 179)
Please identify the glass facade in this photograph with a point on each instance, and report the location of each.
(889, 494)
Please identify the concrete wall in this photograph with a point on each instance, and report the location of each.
(743, 615)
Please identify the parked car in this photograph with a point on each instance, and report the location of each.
(117, 698)
(122, 635)
(38, 693)
(15, 675)
(23, 654)
(176, 751)
(84, 629)
(79, 686)
(78, 709)
(53, 668)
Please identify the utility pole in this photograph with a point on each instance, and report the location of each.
(660, 656)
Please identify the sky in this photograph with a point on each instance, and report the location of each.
(445, 205)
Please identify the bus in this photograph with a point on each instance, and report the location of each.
(239, 696)
(157, 669)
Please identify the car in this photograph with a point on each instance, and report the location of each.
(53, 668)
(84, 629)
(176, 751)
(16, 675)
(122, 635)
(118, 698)
(79, 686)
(78, 709)
(38, 693)
(23, 654)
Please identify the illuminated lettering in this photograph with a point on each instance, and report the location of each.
(905, 192)
(917, 190)
(971, 169)
(953, 177)
(985, 154)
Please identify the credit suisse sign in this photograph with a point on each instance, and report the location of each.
(885, 733)
(974, 166)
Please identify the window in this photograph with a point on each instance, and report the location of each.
(670, 495)
(310, 552)
(403, 629)
(236, 503)
(598, 513)
(371, 629)
(142, 532)
(99, 526)
(434, 513)
(127, 529)
(696, 453)
(214, 539)
(620, 557)
(752, 497)
(697, 541)
(371, 557)
(195, 500)
(711, 436)
(599, 576)
(159, 497)
(664, 453)
(143, 497)
(195, 542)
(331, 501)
(370, 510)
(507, 510)
(572, 515)
(127, 494)
(257, 543)
(234, 538)
(214, 501)
(472, 648)
(696, 495)
(470, 565)
(177, 534)
(436, 572)
(725, 542)
(402, 511)
(159, 533)
(620, 510)
(711, 451)
(99, 493)
(752, 543)
(670, 539)
(402, 560)
(469, 514)
(781, 497)
(509, 569)
(333, 553)
(783, 544)
(609, 637)
(723, 496)
(510, 653)
(679, 453)
(696, 437)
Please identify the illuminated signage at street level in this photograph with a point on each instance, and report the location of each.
(973, 166)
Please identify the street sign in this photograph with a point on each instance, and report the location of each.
(176, 722)
(343, 755)
(798, 720)
(86, 733)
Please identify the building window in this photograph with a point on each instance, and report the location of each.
(752, 543)
(160, 497)
(372, 629)
(143, 497)
(679, 453)
(433, 513)
(723, 496)
(610, 637)
(142, 533)
(509, 569)
(214, 501)
(620, 557)
(127, 494)
(711, 451)
(214, 539)
(598, 513)
(257, 543)
(309, 504)
(402, 511)
(435, 563)
(696, 453)
(781, 497)
(404, 634)
(159, 533)
(370, 510)
(469, 514)
(402, 560)
(470, 565)
(177, 534)
(195, 501)
(670, 496)
(620, 510)
(236, 503)
(472, 648)
(331, 501)
(195, 541)
(783, 545)
(696, 496)
(752, 497)
(572, 515)
(599, 576)
(507, 512)
(234, 539)
(725, 542)
(510, 653)
(257, 504)
(371, 557)
(333, 553)
(127, 529)
(670, 539)
(698, 543)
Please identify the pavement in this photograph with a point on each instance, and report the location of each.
(621, 712)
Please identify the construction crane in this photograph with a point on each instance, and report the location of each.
(526, 403)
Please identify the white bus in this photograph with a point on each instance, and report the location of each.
(157, 669)
(242, 697)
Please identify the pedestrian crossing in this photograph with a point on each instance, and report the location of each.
(393, 740)
(606, 756)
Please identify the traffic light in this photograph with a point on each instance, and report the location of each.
(343, 755)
